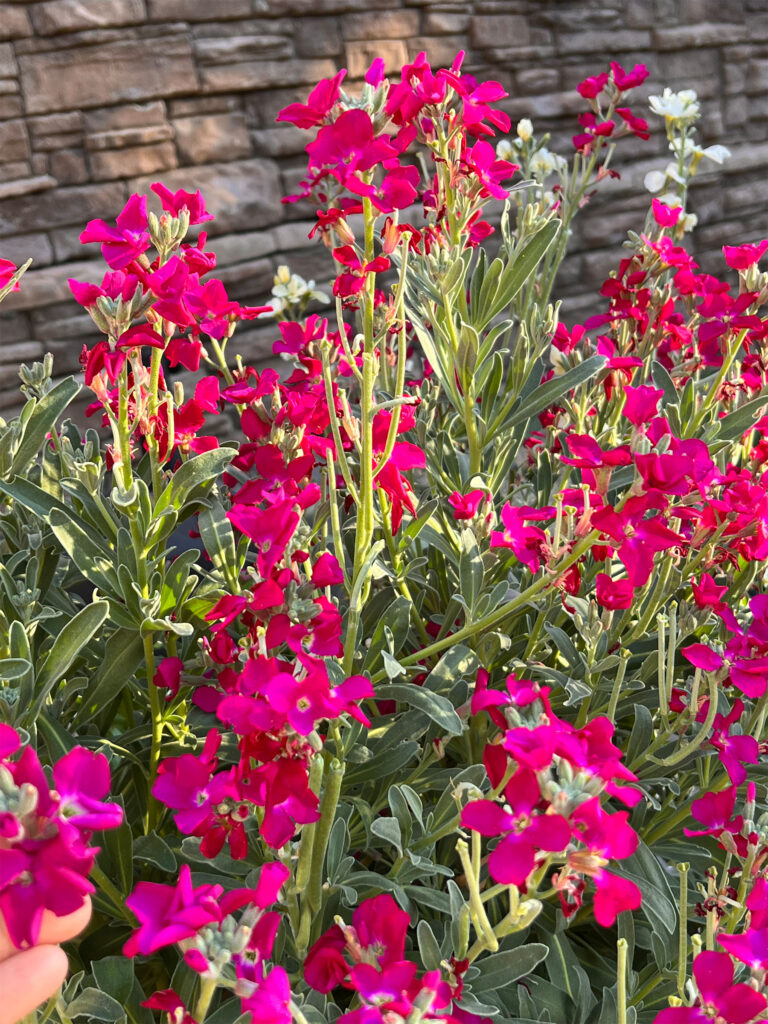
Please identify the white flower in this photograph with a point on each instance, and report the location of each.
(677, 106)
(718, 154)
(543, 163)
(505, 150)
(689, 221)
(524, 129)
(654, 181)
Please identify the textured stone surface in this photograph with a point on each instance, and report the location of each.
(75, 15)
(116, 163)
(245, 194)
(99, 98)
(128, 70)
(211, 137)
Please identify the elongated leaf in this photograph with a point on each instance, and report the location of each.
(438, 708)
(41, 422)
(97, 1005)
(741, 420)
(202, 469)
(123, 655)
(502, 969)
(549, 392)
(663, 380)
(470, 569)
(32, 497)
(57, 739)
(93, 561)
(70, 641)
(14, 668)
(219, 540)
(524, 263)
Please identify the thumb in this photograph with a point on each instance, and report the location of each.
(28, 979)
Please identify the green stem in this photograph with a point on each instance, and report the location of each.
(682, 937)
(207, 988)
(621, 980)
(328, 804)
(481, 625)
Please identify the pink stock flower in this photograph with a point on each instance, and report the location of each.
(171, 1002)
(465, 506)
(665, 216)
(321, 101)
(122, 244)
(529, 543)
(641, 404)
(625, 80)
(267, 996)
(175, 202)
(524, 833)
(751, 947)
(719, 998)
(613, 594)
(592, 86)
(378, 930)
(742, 257)
(7, 270)
(44, 853)
(481, 162)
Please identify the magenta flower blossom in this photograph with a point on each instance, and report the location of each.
(122, 244)
(377, 931)
(742, 257)
(719, 998)
(641, 404)
(613, 594)
(465, 506)
(175, 202)
(7, 270)
(169, 913)
(514, 858)
(319, 104)
(44, 853)
(751, 947)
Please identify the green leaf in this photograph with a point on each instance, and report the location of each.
(219, 540)
(114, 975)
(470, 569)
(388, 829)
(429, 950)
(203, 469)
(153, 849)
(117, 844)
(550, 391)
(41, 422)
(14, 668)
(70, 641)
(522, 265)
(438, 708)
(32, 497)
(663, 380)
(123, 655)
(502, 969)
(57, 740)
(741, 420)
(94, 561)
(96, 1005)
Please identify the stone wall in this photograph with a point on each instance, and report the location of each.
(98, 98)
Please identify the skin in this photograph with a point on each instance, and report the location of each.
(31, 976)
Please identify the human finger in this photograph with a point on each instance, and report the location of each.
(28, 979)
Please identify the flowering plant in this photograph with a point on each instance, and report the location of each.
(453, 709)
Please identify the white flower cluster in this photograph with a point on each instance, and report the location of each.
(291, 290)
(681, 109)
